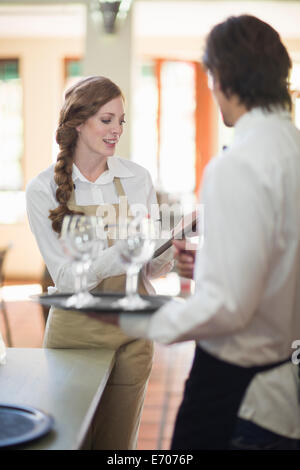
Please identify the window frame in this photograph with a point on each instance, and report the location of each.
(22, 156)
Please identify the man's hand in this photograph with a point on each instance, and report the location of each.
(185, 258)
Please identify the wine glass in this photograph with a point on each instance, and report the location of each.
(135, 248)
(82, 238)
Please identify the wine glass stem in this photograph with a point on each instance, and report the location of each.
(78, 277)
(132, 276)
(81, 269)
(85, 266)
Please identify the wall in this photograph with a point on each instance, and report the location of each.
(41, 64)
(110, 56)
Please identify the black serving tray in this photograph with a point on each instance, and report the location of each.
(20, 424)
(106, 301)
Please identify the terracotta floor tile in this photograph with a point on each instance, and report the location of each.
(154, 399)
(171, 415)
(26, 324)
(147, 444)
(168, 430)
(151, 414)
(166, 443)
(175, 395)
(157, 386)
(149, 430)
(153, 391)
(174, 402)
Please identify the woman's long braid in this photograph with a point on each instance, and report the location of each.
(66, 138)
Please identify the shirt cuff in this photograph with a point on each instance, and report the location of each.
(135, 325)
(160, 326)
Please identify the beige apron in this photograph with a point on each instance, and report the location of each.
(116, 421)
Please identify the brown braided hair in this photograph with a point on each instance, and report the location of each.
(82, 101)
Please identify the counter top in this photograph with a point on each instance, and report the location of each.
(65, 383)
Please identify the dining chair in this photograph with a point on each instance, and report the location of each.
(3, 253)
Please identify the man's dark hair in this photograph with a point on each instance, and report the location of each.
(247, 57)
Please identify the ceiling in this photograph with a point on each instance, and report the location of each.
(152, 18)
(192, 18)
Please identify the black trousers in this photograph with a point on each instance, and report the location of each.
(250, 436)
(213, 394)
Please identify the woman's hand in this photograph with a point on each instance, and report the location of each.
(185, 258)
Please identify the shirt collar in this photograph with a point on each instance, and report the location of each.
(116, 168)
(256, 114)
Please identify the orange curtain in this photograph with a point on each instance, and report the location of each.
(206, 123)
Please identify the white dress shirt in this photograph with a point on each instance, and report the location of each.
(246, 306)
(40, 198)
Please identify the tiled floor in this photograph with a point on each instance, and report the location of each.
(170, 368)
(171, 365)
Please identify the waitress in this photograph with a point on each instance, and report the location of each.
(87, 176)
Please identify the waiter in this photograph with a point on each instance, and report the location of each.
(245, 310)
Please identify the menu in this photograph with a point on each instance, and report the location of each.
(179, 232)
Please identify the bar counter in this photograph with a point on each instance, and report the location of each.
(65, 383)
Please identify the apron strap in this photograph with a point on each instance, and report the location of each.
(121, 193)
(71, 200)
(119, 186)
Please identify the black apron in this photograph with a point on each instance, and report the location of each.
(213, 394)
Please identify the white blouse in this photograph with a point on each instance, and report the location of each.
(40, 198)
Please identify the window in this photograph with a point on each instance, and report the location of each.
(164, 125)
(72, 71)
(72, 68)
(174, 128)
(12, 198)
(177, 127)
(11, 126)
(145, 135)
